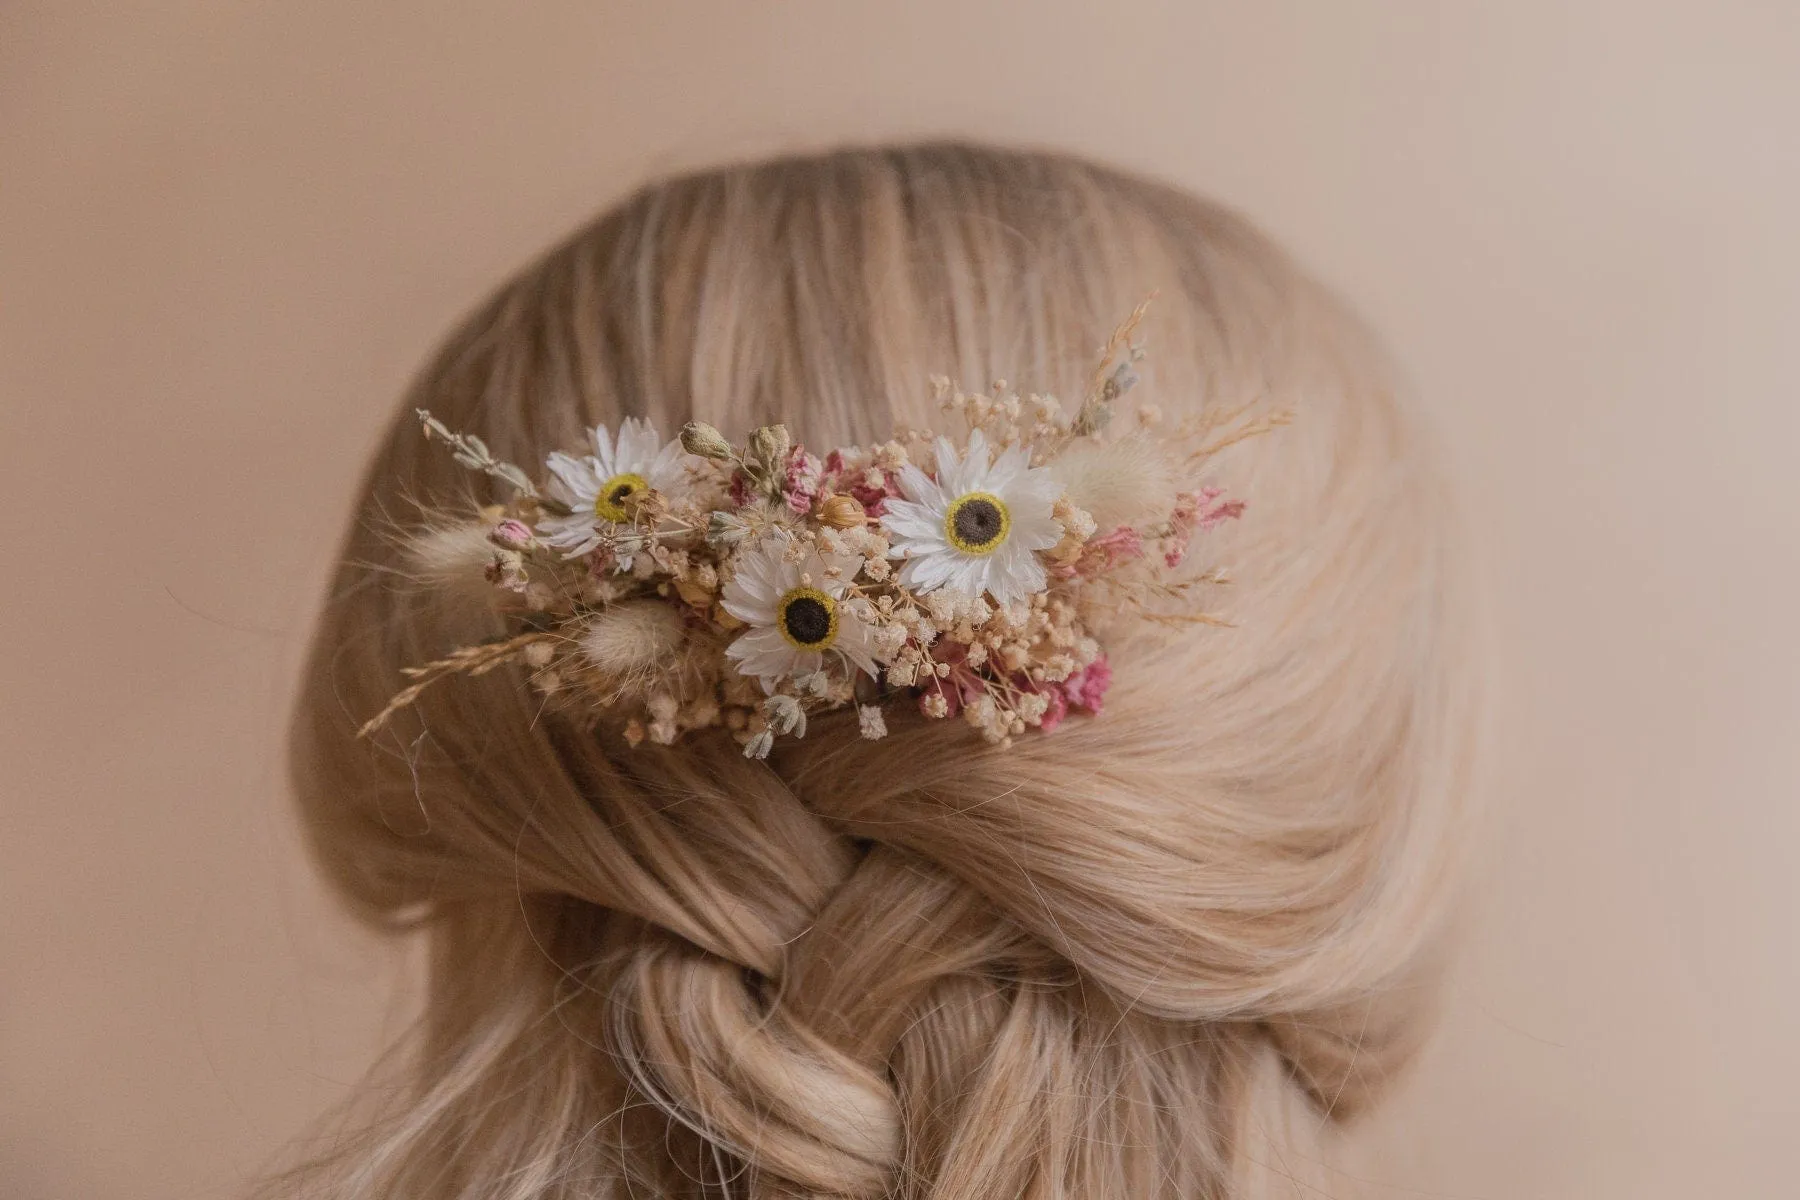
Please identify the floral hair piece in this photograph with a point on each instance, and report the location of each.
(663, 588)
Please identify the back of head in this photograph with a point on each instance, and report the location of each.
(1126, 960)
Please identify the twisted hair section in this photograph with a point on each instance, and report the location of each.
(1154, 954)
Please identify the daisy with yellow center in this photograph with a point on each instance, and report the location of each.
(978, 526)
(602, 489)
(795, 608)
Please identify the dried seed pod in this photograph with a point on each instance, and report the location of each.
(700, 439)
(841, 512)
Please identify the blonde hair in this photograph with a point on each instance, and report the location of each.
(1144, 956)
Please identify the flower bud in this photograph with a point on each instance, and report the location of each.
(842, 512)
(769, 445)
(785, 715)
(700, 439)
(512, 534)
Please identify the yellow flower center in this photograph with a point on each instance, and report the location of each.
(615, 494)
(977, 523)
(807, 618)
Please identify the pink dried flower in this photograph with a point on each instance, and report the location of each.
(1058, 709)
(1110, 550)
(1221, 512)
(1197, 512)
(513, 534)
(874, 499)
(856, 482)
(742, 492)
(1087, 688)
(800, 483)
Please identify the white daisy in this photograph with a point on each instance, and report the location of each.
(978, 526)
(598, 486)
(795, 611)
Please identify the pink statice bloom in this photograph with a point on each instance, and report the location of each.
(741, 493)
(800, 485)
(1103, 553)
(1197, 512)
(1087, 688)
(856, 484)
(1059, 706)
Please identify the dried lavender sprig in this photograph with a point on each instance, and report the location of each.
(471, 452)
(1107, 386)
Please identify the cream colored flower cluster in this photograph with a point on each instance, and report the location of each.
(665, 587)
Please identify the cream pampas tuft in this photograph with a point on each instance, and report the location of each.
(630, 641)
(455, 558)
(1124, 482)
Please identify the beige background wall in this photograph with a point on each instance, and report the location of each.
(229, 231)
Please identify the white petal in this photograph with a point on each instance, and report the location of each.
(768, 568)
(970, 575)
(821, 566)
(1007, 467)
(754, 577)
(762, 653)
(1016, 573)
(637, 447)
(750, 609)
(971, 475)
(1035, 531)
(604, 459)
(853, 643)
(917, 486)
(572, 479)
(578, 533)
(949, 468)
(913, 522)
(928, 572)
(764, 640)
(1034, 487)
(985, 576)
(667, 472)
(563, 526)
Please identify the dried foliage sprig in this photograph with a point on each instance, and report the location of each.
(470, 451)
(465, 660)
(665, 587)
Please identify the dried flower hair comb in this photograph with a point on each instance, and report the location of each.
(671, 587)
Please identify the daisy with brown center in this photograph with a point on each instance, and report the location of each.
(978, 526)
(794, 603)
(602, 489)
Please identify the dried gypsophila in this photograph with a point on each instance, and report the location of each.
(665, 587)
